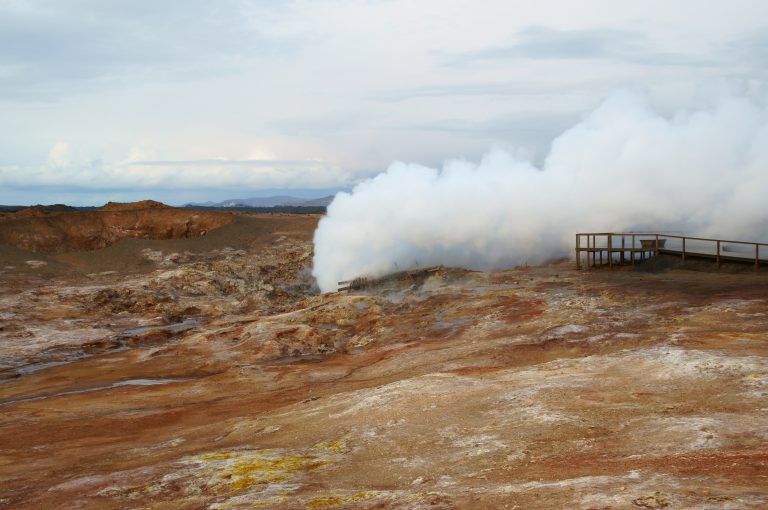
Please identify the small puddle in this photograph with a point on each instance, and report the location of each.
(14, 373)
(292, 360)
(177, 327)
(118, 384)
(35, 367)
(144, 382)
(114, 344)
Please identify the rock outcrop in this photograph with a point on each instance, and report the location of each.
(93, 230)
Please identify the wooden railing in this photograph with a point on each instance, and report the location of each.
(635, 246)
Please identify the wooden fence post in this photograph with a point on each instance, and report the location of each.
(683, 250)
(757, 257)
(718, 254)
(623, 259)
(578, 253)
(610, 251)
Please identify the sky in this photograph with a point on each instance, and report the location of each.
(193, 100)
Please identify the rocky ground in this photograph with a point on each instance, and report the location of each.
(209, 373)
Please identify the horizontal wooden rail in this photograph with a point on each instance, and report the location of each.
(661, 234)
(654, 243)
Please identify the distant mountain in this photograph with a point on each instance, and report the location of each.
(276, 201)
(318, 202)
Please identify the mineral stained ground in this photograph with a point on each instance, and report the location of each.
(208, 372)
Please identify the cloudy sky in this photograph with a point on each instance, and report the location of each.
(185, 100)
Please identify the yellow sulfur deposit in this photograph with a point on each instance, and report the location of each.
(242, 469)
(333, 501)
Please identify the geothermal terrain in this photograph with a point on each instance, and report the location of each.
(160, 358)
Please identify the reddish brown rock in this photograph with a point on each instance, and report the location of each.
(133, 206)
(37, 231)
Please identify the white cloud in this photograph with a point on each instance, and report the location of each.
(132, 173)
(59, 155)
(355, 84)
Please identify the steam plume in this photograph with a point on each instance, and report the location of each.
(623, 166)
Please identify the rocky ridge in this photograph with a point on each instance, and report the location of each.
(41, 231)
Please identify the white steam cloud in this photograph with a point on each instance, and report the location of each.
(624, 166)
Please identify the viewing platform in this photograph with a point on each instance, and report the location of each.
(595, 249)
